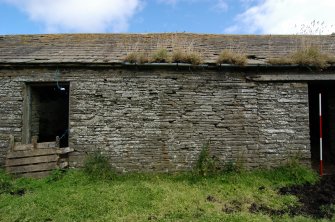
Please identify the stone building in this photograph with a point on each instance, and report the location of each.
(158, 116)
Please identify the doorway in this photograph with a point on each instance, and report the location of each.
(47, 112)
(327, 90)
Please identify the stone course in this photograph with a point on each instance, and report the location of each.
(159, 119)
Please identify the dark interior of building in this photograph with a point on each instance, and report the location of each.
(50, 112)
(327, 90)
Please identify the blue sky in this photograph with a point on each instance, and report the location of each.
(147, 16)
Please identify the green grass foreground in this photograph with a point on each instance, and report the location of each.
(74, 196)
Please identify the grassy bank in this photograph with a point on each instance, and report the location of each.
(75, 196)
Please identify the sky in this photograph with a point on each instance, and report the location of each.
(157, 16)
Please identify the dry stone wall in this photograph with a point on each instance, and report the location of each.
(283, 120)
(158, 120)
(11, 110)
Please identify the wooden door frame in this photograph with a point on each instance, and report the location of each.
(26, 128)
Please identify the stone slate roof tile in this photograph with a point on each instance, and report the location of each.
(112, 48)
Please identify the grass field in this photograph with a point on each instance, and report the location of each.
(76, 196)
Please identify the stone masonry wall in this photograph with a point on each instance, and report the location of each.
(283, 120)
(11, 110)
(160, 119)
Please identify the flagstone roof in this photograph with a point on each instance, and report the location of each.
(112, 48)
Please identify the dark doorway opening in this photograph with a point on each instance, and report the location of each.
(327, 90)
(49, 112)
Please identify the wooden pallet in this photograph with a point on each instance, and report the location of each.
(35, 160)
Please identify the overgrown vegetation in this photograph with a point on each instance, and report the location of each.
(76, 196)
(97, 166)
(193, 58)
(207, 164)
(6, 184)
(136, 58)
(309, 56)
(96, 193)
(229, 57)
(280, 61)
(177, 56)
(160, 56)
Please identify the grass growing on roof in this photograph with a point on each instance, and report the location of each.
(280, 61)
(193, 58)
(160, 56)
(136, 58)
(229, 57)
(178, 56)
(152, 196)
(309, 56)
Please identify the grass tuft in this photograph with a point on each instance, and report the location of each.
(160, 56)
(56, 175)
(310, 56)
(131, 58)
(136, 58)
(97, 167)
(193, 58)
(178, 56)
(229, 57)
(6, 184)
(206, 164)
(142, 58)
(331, 60)
(280, 61)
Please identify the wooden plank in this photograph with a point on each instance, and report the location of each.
(34, 141)
(26, 114)
(65, 150)
(11, 142)
(32, 168)
(47, 145)
(28, 153)
(44, 145)
(31, 160)
(36, 175)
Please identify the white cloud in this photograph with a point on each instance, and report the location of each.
(217, 4)
(221, 5)
(286, 17)
(80, 15)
